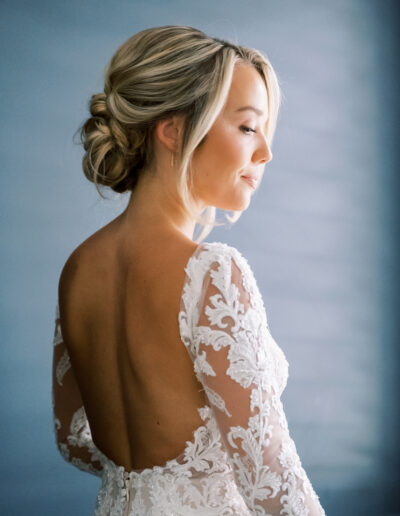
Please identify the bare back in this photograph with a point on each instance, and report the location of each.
(119, 302)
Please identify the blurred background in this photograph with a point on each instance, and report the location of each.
(320, 233)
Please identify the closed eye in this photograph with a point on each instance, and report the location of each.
(247, 130)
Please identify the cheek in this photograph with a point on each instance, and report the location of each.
(227, 150)
(219, 162)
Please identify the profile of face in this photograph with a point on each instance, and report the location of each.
(229, 164)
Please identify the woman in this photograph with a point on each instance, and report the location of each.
(185, 123)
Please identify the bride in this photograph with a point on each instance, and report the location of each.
(166, 378)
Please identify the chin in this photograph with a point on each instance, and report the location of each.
(237, 205)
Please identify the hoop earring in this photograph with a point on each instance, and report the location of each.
(172, 159)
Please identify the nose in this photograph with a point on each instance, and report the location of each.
(263, 153)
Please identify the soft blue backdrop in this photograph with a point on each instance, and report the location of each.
(319, 235)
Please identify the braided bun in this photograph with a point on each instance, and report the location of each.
(113, 156)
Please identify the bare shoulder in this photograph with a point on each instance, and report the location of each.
(76, 266)
(168, 248)
(165, 258)
(70, 273)
(160, 253)
(86, 251)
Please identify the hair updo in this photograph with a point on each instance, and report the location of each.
(156, 73)
(113, 150)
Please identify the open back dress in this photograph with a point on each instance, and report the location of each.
(241, 460)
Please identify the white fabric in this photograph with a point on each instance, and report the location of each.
(241, 460)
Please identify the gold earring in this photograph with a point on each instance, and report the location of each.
(172, 159)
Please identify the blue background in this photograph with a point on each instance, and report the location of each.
(320, 233)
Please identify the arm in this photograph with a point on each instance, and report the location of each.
(71, 427)
(243, 373)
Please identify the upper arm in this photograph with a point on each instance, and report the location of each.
(72, 431)
(235, 360)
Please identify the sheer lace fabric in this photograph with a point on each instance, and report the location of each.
(241, 460)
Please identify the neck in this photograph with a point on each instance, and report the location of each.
(155, 206)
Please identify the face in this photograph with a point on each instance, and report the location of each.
(229, 164)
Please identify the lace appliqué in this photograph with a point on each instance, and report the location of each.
(57, 339)
(81, 436)
(256, 363)
(217, 475)
(62, 367)
(198, 483)
(79, 431)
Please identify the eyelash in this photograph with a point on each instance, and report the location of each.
(247, 130)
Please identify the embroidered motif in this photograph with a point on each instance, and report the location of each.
(240, 461)
(62, 367)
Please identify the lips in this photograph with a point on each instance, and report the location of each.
(251, 180)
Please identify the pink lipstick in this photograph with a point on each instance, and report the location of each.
(251, 180)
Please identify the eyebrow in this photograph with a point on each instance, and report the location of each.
(251, 108)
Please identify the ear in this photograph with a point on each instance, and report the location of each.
(169, 132)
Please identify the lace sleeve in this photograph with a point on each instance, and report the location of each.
(71, 427)
(243, 373)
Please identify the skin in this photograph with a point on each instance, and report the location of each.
(120, 290)
(235, 145)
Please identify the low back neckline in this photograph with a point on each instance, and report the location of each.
(204, 411)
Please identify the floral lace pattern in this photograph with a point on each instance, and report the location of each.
(224, 326)
(241, 460)
(71, 427)
(62, 367)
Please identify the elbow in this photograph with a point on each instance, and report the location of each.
(62, 445)
(64, 450)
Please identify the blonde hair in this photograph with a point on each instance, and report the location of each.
(157, 73)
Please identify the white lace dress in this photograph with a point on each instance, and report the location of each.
(241, 460)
